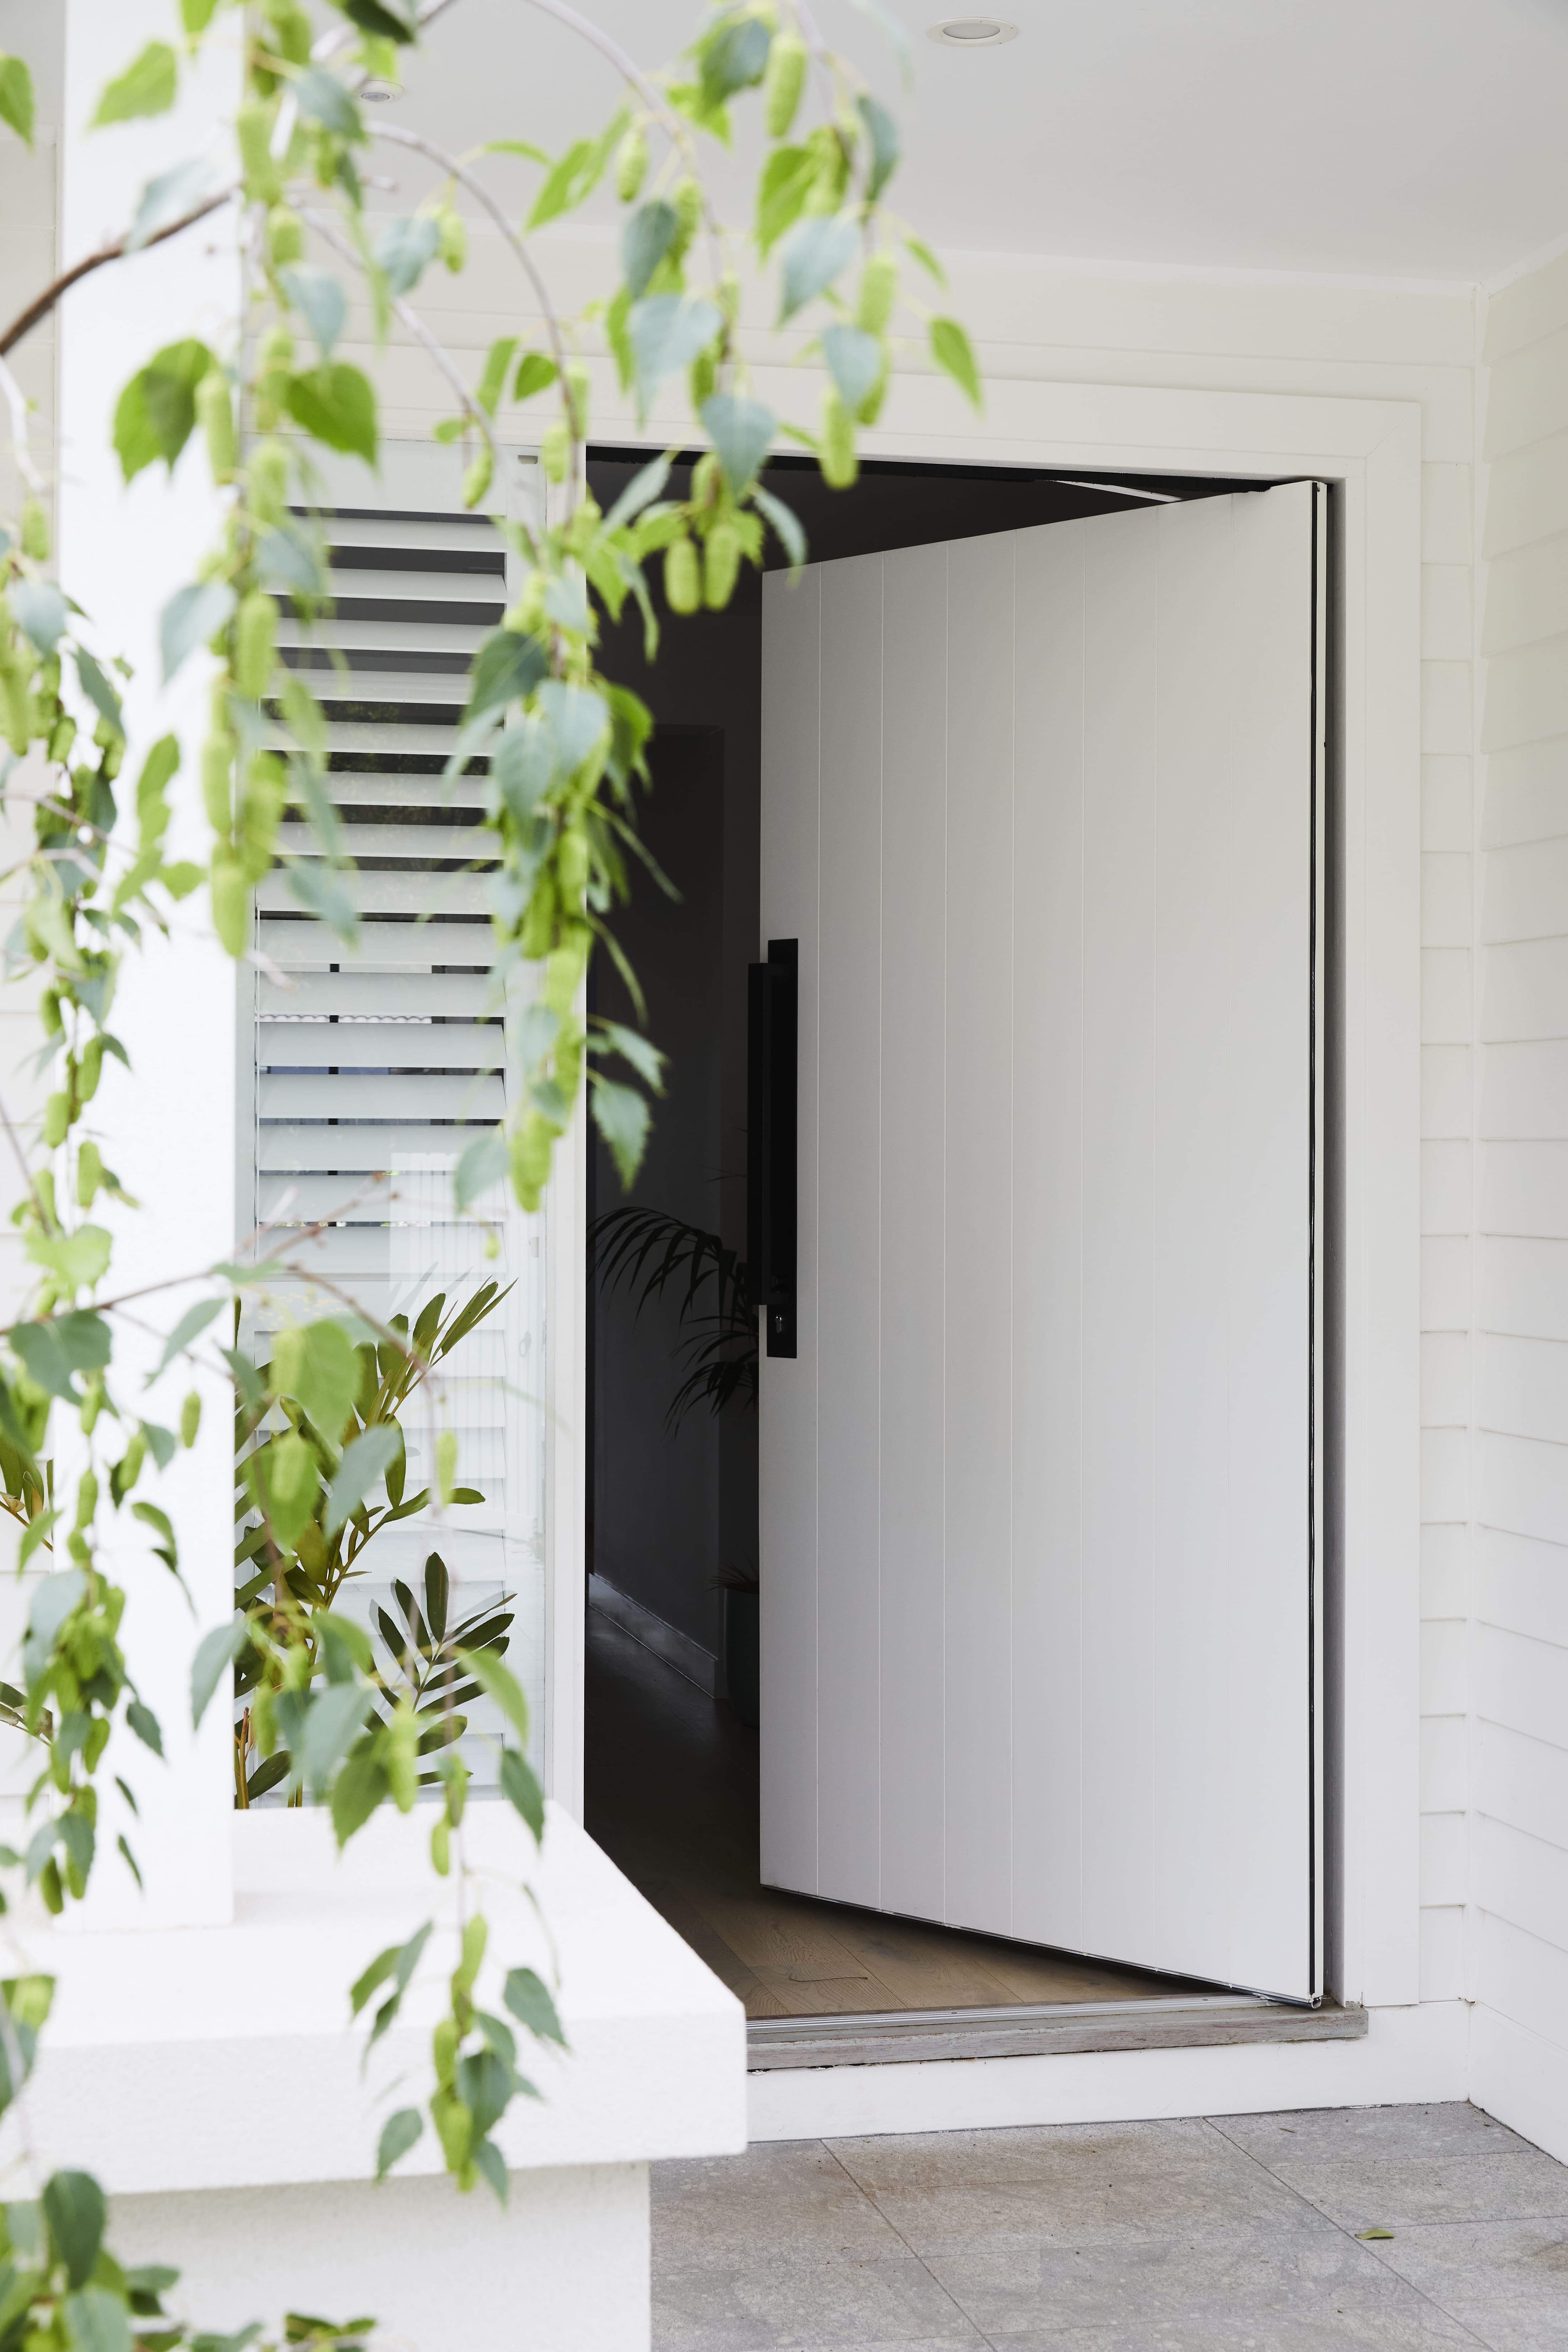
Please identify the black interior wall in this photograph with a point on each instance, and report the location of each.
(668, 1512)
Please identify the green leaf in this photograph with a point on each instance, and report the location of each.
(17, 98)
(196, 16)
(483, 1164)
(156, 413)
(528, 1998)
(77, 1343)
(318, 294)
(172, 195)
(666, 332)
(534, 374)
(75, 2211)
(507, 668)
(568, 181)
(406, 248)
(379, 18)
(883, 132)
(575, 720)
(398, 1962)
(320, 890)
(324, 97)
(814, 253)
(145, 1725)
(922, 252)
(640, 1051)
(190, 617)
(492, 383)
(640, 491)
(41, 610)
(621, 1115)
(502, 1685)
(216, 1651)
(190, 1326)
(97, 689)
(487, 2160)
(318, 1364)
(950, 350)
(337, 404)
(159, 1521)
(359, 1788)
(646, 239)
(332, 1724)
(522, 1789)
(97, 2321)
(733, 57)
(148, 86)
(741, 431)
(288, 1476)
(854, 361)
(398, 2135)
(362, 1464)
(788, 177)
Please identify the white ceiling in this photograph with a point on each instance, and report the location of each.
(1375, 138)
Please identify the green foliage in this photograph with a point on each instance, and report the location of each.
(148, 86)
(358, 1718)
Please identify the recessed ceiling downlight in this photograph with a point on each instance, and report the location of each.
(972, 32)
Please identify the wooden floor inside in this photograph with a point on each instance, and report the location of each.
(672, 1790)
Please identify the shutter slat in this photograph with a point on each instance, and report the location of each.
(409, 892)
(453, 843)
(362, 1093)
(289, 1149)
(446, 995)
(297, 944)
(381, 1045)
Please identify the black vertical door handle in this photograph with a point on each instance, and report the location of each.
(771, 1133)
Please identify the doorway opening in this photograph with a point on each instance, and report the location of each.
(671, 1739)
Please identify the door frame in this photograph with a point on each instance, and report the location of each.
(1370, 453)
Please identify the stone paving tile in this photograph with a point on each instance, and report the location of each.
(1507, 2280)
(1078, 2184)
(814, 2302)
(1321, 2292)
(784, 2197)
(1453, 2128)
(1229, 2236)
(1362, 2193)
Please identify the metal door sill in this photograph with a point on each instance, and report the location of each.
(904, 2037)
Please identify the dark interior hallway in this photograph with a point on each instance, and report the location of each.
(672, 1798)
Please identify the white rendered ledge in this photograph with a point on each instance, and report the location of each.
(223, 2057)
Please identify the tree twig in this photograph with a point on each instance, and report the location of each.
(42, 304)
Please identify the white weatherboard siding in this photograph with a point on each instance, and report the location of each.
(1518, 1657)
(1040, 810)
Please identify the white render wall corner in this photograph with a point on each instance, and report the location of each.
(167, 1129)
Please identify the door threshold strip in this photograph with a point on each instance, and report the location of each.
(904, 2037)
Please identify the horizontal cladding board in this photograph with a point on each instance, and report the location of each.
(1524, 1092)
(380, 1044)
(297, 945)
(1526, 495)
(362, 1149)
(449, 995)
(362, 1095)
(408, 892)
(451, 844)
(1526, 893)
(1526, 992)
(1526, 794)
(1522, 1389)
(1527, 396)
(1527, 595)
(1526, 695)
(1524, 1189)
(1523, 1289)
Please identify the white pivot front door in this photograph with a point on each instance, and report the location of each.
(1043, 811)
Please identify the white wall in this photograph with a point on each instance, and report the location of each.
(1519, 1556)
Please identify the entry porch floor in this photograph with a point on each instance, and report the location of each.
(1231, 2233)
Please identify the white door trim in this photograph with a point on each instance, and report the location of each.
(1371, 451)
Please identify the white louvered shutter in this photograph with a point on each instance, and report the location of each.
(374, 1071)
